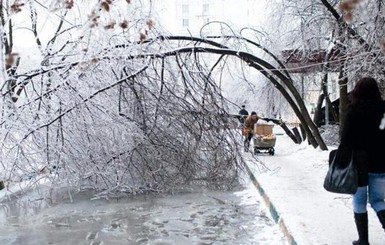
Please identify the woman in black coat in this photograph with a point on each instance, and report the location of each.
(361, 131)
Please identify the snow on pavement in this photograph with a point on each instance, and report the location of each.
(295, 187)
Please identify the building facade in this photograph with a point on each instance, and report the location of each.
(189, 17)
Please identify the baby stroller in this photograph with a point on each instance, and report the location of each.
(264, 139)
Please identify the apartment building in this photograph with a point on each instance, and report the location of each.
(189, 17)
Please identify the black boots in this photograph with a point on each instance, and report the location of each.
(362, 228)
(381, 217)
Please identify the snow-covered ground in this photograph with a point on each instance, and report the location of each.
(295, 187)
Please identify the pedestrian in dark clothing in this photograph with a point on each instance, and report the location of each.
(361, 131)
(243, 113)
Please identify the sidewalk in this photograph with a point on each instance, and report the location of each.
(293, 191)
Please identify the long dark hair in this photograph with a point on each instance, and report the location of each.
(365, 89)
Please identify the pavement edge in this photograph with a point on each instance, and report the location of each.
(273, 211)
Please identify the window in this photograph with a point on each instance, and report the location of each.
(185, 9)
(185, 22)
(205, 9)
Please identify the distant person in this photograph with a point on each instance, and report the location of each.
(243, 113)
(249, 128)
(361, 130)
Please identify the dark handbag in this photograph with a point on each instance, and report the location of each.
(342, 176)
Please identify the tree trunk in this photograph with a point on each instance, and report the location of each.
(324, 87)
(318, 110)
(344, 100)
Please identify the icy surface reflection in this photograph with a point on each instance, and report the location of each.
(198, 217)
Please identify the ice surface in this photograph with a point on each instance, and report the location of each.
(197, 217)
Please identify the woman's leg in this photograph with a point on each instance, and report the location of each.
(377, 195)
(360, 200)
(377, 191)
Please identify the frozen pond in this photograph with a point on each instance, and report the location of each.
(193, 217)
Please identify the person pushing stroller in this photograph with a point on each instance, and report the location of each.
(248, 129)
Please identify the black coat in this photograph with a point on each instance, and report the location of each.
(361, 131)
(243, 114)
